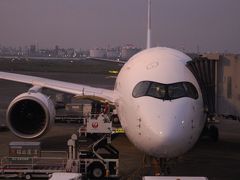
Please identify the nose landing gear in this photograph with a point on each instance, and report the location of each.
(156, 166)
(211, 131)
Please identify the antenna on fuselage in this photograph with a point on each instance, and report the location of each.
(149, 25)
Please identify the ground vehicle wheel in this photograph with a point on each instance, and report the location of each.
(96, 170)
(115, 119)
(28, 176)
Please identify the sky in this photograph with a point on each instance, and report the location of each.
(189, 25)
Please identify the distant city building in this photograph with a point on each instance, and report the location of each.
(128, 51)
(61, 53)
(98, 53)
(32, 50)
(45, 53)
(70, 53)
(83, 53)
(113, 53)
(56, 51)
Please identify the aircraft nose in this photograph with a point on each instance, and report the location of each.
(167, 134)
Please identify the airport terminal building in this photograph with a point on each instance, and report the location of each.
(220, 75)
(228, 84)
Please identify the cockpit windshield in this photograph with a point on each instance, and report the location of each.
(165, 91)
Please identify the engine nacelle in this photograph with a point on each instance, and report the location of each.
(30, 115)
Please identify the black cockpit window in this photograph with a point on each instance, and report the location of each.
(191, 90)
(141, 89)
(156, 90)
(177, 90)
(165, 91)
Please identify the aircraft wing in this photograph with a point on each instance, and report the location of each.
(72, 88)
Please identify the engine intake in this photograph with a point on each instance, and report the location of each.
(30, 115)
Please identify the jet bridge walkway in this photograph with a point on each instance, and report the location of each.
(205, 70)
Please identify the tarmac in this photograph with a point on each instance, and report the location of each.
(215, 160)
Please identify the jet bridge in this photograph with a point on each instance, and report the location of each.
(205, 71)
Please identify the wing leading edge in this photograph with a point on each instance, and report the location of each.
(72, 88)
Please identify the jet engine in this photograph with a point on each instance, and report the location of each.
(30, 115)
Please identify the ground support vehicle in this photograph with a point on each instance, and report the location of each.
(27, 160)
(91, 152)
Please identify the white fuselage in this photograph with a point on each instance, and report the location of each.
(162, 128)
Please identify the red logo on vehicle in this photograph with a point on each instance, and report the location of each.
(95, 124)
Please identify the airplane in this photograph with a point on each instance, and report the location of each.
(158, 101)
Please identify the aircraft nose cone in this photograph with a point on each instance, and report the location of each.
(165, 134)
